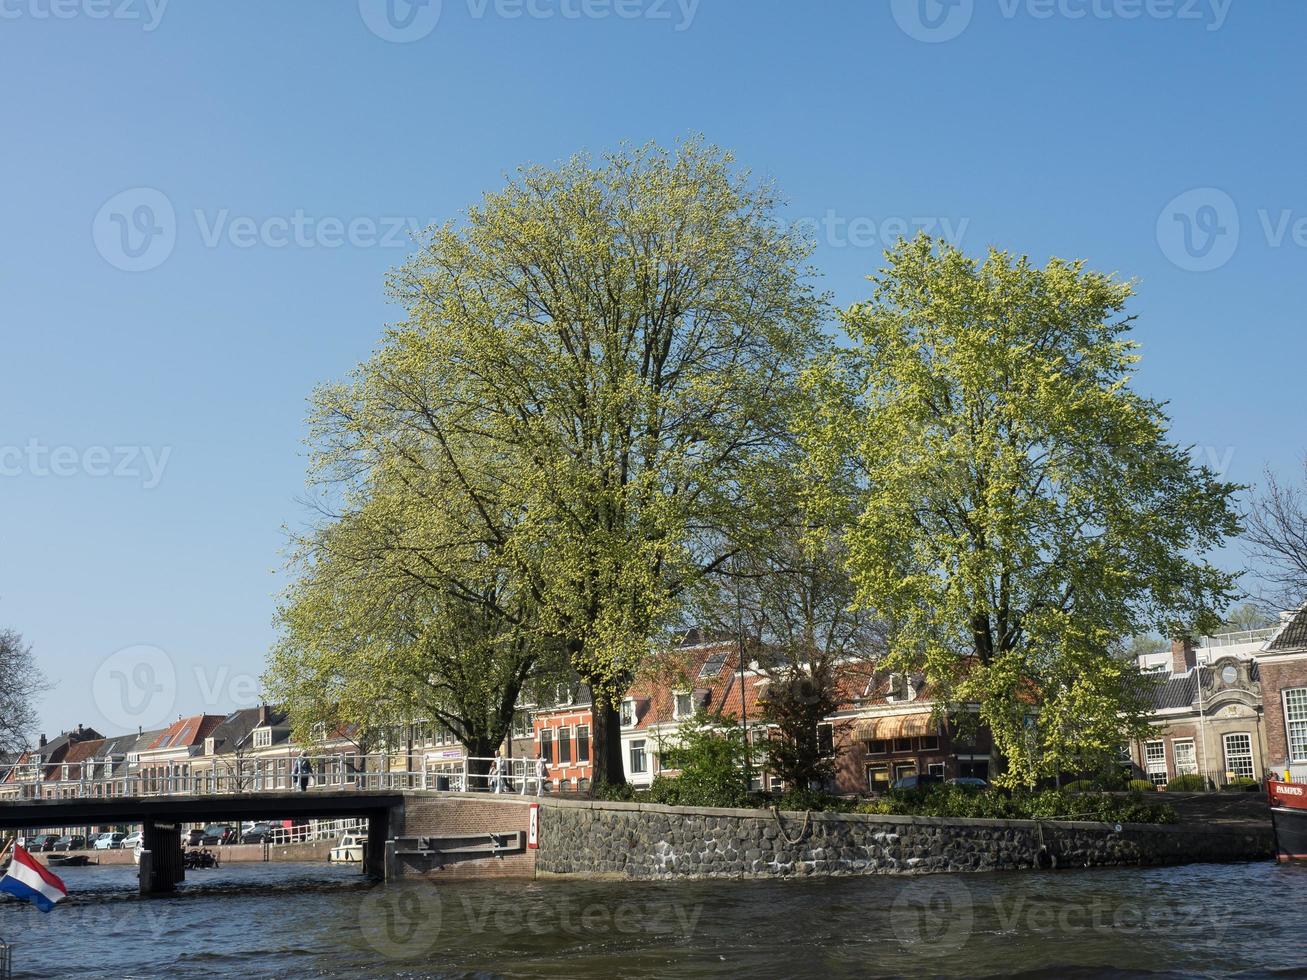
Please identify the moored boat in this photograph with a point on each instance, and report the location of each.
(1289, 819)
(349, 850)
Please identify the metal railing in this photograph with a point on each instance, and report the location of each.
(1232, 639)
(340, 771)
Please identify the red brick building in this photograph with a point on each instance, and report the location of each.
(1283, 669)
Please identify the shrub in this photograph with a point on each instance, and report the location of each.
(956, 801)
(1141, 786)
(1190, 782)
(1240, 784)
(709, 759)
(1080, 786)
(807, 799)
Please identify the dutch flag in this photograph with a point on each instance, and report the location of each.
(28, 880)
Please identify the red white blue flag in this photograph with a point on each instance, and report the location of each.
(26, 879)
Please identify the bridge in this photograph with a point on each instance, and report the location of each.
(161, 818)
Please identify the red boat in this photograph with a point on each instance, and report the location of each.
(1289, 819)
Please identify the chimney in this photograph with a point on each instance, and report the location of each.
(263, 715)
(1184, 657)
(41, 743)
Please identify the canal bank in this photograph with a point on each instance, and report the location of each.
(599, 839)
(226, 853)
(589, 838)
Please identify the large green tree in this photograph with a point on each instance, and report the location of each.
(1017, 506)
(592, 368)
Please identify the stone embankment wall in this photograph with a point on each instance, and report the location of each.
(656, 842)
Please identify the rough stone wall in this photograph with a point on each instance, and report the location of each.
(446, 815)
(646, 841)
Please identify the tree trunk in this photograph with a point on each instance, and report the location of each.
(606, 745)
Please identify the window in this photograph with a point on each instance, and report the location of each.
(522, 724)
(684, 706)
(208, 746)
(547, 745)
(903, 745)
(1239, 754)
(905, 769)
(1295, 723)
(713, 665)
(262, 738)
(1155, 762)
(1186, 761)
(826, 739)
(936, 769)
(877, 746)
(582, 743)
(929, 743)
(878, 778)
(564, 746)
(628, 713)
(563, 693)
(639, 760)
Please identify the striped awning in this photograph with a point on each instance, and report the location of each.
(897, 726)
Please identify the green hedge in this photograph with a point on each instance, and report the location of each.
(1141, 786)
(1240, 784)
(1190, 782)
(957, 801)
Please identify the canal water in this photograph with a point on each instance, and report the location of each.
(302, 920)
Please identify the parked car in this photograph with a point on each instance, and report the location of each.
(917, 782)
(109, 841)
(218, 833)
(131, 841)
(259, 833)
(41, 842)
(69, 842)
(974, 782)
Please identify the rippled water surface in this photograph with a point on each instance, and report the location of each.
(302, 920)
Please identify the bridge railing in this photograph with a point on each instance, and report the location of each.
(214, 776)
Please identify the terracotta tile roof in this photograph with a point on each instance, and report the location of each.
(186, 731)
(78, 752)
(1292, 636)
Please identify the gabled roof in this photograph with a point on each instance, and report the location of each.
(185, 732)
(1292, 636)
(1181, 690)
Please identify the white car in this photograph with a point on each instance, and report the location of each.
(131, 841)
(109, 841)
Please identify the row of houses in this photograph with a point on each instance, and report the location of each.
(1225, 708)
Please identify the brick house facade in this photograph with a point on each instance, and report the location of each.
(1283, 668)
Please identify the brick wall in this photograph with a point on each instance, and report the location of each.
(1277, 676)
(444, 815)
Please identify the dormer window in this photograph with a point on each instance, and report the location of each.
(210, 745)
(684, 705)
(563, 694)
(262, 738)
(628, 713)
(899, 688)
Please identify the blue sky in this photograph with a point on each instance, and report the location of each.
(156, 367)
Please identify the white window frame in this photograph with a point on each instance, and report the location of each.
(677, 713)
(1295, 722)
(1240, 755)
(1155, 761)
(262, 738)
(627, 713)
(640, 745)
(1190, 766)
